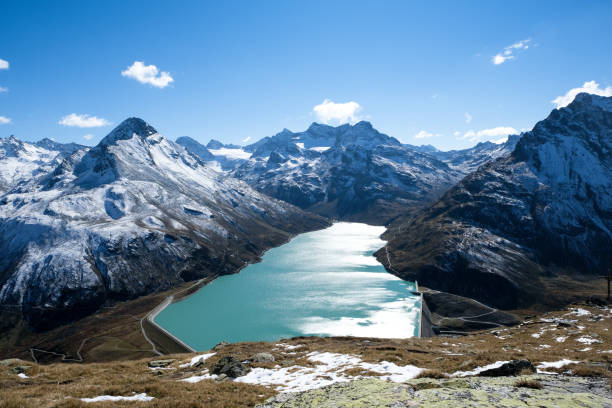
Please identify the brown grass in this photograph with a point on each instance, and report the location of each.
(432, 374)
(61, 384)
(582, 370)
(529, 383)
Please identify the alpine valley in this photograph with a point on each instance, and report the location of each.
(94, 240)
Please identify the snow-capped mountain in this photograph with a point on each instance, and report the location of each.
(468, 160)
(66, 149)
(135, 214)
(524, 223)
(348, 171)
(354, 171)
(21, 161)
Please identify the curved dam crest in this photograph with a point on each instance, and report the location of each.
(325, 283)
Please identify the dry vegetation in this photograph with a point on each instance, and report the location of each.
(528, 383)
(62, 384)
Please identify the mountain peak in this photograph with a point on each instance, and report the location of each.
(315, 125)
(587, 99)
(127, 129)
(363, 124)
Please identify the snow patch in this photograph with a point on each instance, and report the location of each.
(330, 369)
(138, 397)
(197, 359)
(580, 312)
(479, 370)
(231, 153)
(587, 340)
(554, 364)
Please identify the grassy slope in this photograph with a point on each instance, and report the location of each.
(59, 384)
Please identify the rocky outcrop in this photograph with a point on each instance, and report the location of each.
(505, 231)
(231, 367)
(514, 367)
(465, 392)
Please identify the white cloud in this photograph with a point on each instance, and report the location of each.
(3, 89)
(456, 133)
(4, 64)
(591, 87)
(495, 133)
(148, 74)
(500, 59)
(521, 45)
(423, 134)
(246, 139)
(500, 141)
(468, 117)
(331, 112)
(434, 96)
(507, 53)
(83, 121)
(4, 120)
(88, 136)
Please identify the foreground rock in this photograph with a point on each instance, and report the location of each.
(230, 367)
(514, 367)
(262, 358)
(465, 392)
(160, 363)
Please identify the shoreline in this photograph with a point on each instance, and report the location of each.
(162, 338)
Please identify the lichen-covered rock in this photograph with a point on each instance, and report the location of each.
(262, 358)
(161, 363)
(559, 391)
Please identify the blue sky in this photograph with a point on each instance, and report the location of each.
(249, 69)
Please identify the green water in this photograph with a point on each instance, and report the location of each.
(321, 283)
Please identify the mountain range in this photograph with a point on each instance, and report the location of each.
(138, 213)
(351, 172)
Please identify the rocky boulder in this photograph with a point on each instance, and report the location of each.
(230, 366)
(514, 367)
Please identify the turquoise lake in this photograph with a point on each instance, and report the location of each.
(320, 283)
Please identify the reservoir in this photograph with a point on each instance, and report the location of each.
(325, 283)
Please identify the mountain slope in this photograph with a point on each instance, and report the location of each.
(521, 223)
(133, 215)
(21, 161)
